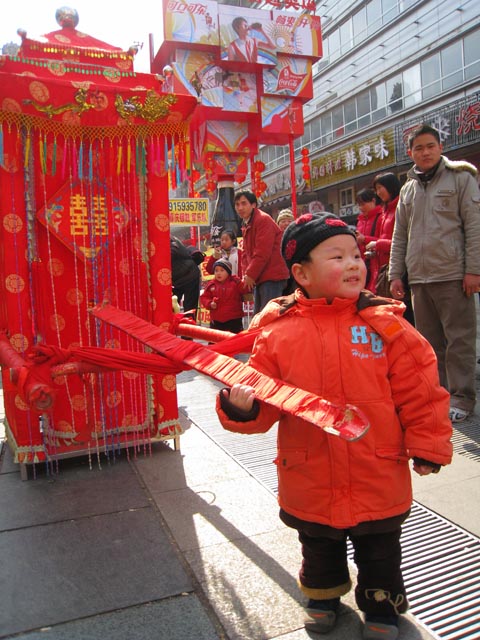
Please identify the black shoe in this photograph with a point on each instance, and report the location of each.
(380, 628)
(321, 615)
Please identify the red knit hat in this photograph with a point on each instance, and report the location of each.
(303, 235)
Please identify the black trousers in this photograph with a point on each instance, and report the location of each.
(235, 325)
(380, 589)
(325, 574)
(190, 292)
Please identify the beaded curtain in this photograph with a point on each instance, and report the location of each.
(84, 220)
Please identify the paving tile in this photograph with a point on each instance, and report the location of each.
(252, 584)
(75, 492)
(61, 572)
(457, 503)
(199, 462)
(179, 618)
(452, 492)
(218, 512)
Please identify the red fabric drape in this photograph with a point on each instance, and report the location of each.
(347, 422)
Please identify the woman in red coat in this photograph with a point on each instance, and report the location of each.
(367, 222)
(368, 219)
(387, 188)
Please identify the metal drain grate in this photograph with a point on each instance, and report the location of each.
(466, 438)
(441, 565)
(441, 562)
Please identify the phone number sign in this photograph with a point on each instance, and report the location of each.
(188, 211)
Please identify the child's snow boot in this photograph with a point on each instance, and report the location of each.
(321, 615)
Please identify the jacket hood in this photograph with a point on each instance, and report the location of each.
(452, 165)
(382, 313)
(460, 165)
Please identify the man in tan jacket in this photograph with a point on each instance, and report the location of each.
(436, 241)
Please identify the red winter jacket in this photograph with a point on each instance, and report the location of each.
(361, 352)
(384, 231)
(262, 258)
(368, 226)
(228, 298)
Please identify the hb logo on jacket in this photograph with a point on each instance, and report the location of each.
(360, 335)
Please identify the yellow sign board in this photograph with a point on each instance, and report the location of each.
(188, 211)
(371, 153)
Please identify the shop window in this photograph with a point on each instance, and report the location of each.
(346, 197)
(430, 73)
(350, 114)
(374, 16)
(395, 93)
(346, 37)
(390, 10)
(471, 52)
(337, 122)
(359, 23)
(315, 129)
(334, 45)
(378, 102)
(412, 85)
(326, 124)
(363, 108)
(452, 65)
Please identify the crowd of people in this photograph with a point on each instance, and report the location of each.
(382, 316)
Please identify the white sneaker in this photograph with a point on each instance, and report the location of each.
(458, 415)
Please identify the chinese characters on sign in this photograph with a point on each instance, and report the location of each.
(84, 222)
(369, 154)
(298, 5)
(188, 211)
(468, 119)
(458, 123)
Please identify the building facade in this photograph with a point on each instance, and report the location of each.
(387, 66)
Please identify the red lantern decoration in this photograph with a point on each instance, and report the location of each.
(305, 165)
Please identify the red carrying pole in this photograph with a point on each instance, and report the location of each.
(292, 176)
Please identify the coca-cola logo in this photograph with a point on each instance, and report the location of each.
(289, 81)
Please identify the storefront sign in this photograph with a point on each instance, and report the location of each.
(458, 124)
(368, 154)
(188, 211)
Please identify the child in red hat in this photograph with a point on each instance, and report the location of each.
(335, 339)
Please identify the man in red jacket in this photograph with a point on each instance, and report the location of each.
(264, 269)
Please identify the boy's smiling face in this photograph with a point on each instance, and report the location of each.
(335, 269)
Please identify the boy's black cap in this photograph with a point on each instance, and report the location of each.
(225, 264)
(303, 235)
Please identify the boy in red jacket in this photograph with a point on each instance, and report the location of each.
(223, 296)
(351, 347)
